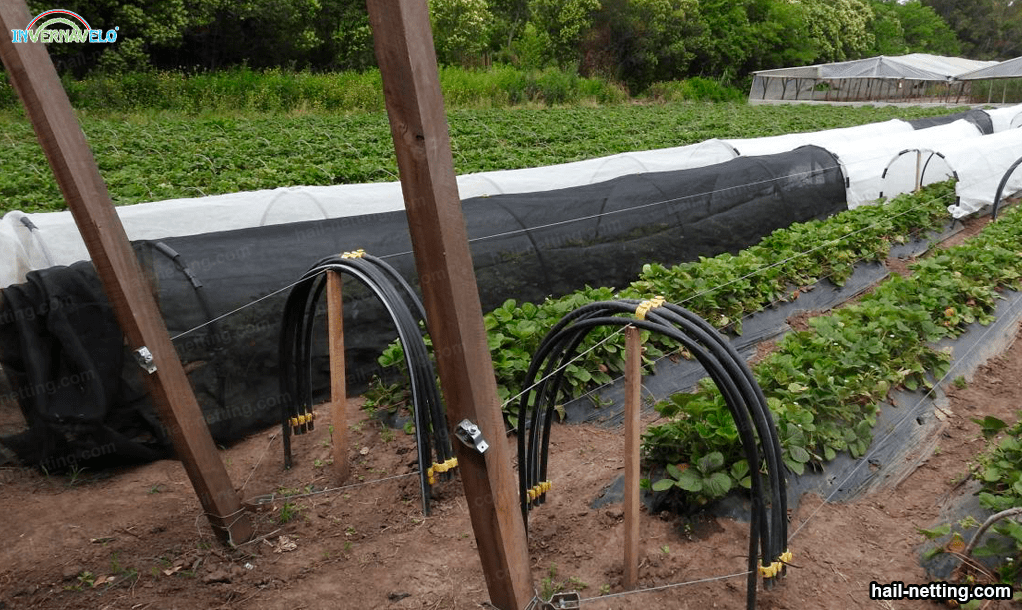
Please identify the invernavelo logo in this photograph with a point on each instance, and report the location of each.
(38, 30)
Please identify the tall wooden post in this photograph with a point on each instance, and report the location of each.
(633, 387)
(411, 87)
(338, 384)
(33, 75)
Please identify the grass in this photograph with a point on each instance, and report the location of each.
(158, 155)
(245, 90)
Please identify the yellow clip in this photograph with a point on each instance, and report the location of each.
(439, 468)
(771, 570)
(786, 557)
(644, 307)
(356, 254)
(304, 418)
(539, 489)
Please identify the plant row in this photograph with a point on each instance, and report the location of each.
(722, 289)
(153, 157)
(824, 385)
(998, 469)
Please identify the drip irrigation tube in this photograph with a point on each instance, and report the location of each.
(406, 311)
(743, 396)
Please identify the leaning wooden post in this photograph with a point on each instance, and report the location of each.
(633, 386)
(338, 387)
(31, 71)
(411, 88)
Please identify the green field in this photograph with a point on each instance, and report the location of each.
(151, 156)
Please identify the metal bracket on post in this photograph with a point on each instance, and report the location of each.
(472, 436)
(566, 600)
(144, 358)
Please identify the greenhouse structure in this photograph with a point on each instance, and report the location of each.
(917, 77)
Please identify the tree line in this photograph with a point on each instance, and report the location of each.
(635, 42)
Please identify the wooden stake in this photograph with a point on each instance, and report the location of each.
(633, 388)
(338, 387)
(31, 71)
(411, 88)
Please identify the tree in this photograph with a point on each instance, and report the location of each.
(925, 31)
(508, 23)
(979, 24)
(639, 42)
(461, 30)
(260, 33)
(562, 25)
(141, 27)
(887, 29)
(727, 37)
(779, 36)
(838, 28)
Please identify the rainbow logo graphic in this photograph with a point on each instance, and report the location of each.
(78, 30)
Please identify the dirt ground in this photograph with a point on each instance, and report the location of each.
(137, 539)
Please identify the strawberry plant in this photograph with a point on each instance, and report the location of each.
(823, 385)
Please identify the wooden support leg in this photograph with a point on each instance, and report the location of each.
(418, 125)
(633, 387)
(338, 388)
(34, 77)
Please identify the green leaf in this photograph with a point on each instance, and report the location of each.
(717, 484)
(799, 454)
(690, 481)
(663, 485)
(796, 467)
(991, 474)
(931, 553)
(937, 532)
(710, 462)
(674, 471)
(990, 425)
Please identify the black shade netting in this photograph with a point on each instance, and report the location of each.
(524, 247)
(64, 357)
(977, 117)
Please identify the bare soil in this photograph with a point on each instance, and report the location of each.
(136, 538)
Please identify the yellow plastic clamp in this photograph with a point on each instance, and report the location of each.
(786, 557)
(643, 308)
(301, 420)
(539, 489)
(771, 570)
(356, 254)
(438, 468)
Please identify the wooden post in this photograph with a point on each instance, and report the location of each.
(411, 88)
(633, 387)
(338, 387)
(33, 75)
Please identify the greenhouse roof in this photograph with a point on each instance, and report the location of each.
(1006, 69)
(916, 66)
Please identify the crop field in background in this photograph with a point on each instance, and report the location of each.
(152, 156)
